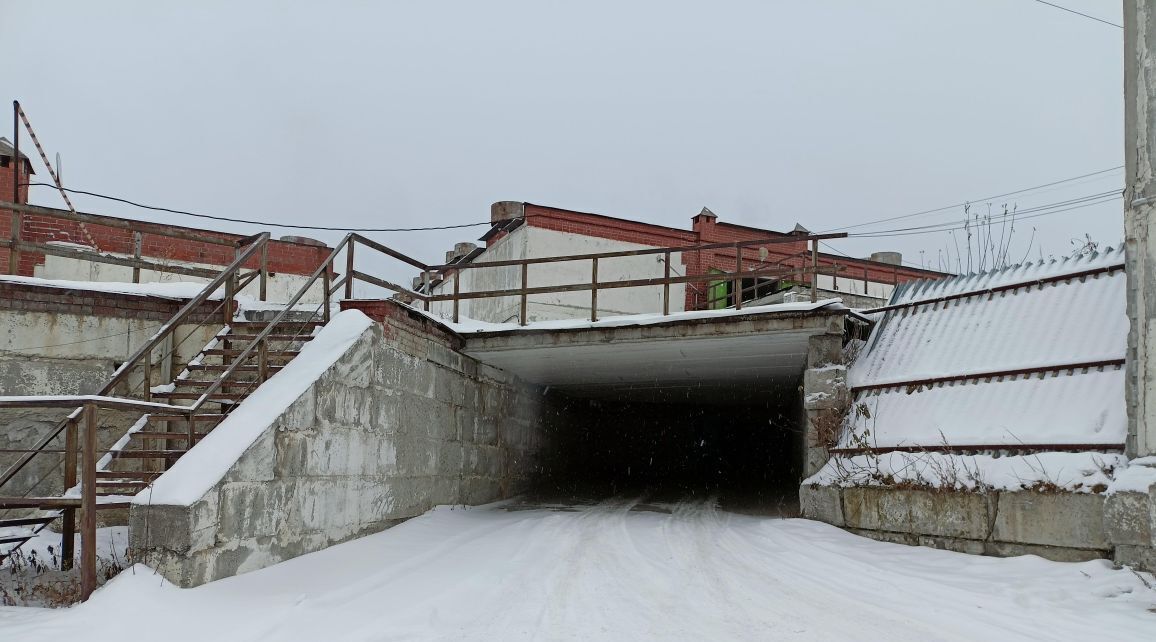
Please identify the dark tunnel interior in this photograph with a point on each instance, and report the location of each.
(743, 448)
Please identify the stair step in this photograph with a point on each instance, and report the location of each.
(39, 502)
(116, 474)
(26, 521)
(197, 383)
(246, 336)
(16, 539)
(150, 434)
(221, 367)
(261, 325)
(209, 416)
(233, 352)
(216, 396)
(147, 454)
(119, 483)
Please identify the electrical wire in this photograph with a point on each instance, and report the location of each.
(977, 200)
(1010, 215)
(1056, 6)
(265, 223)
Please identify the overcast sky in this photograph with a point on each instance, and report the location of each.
(382, 114)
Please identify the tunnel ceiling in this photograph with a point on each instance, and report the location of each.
(718, 366)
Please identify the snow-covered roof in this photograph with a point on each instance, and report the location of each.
(916, 381)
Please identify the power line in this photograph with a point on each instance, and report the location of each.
(922, 230)
(986, 198)
(264, 223)
(1080, 14)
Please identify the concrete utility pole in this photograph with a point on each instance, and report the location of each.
(1140, 207)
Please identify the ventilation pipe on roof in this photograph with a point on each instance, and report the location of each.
(890, 258)
(506, 210)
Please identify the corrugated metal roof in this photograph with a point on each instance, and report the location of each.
(1066, 321)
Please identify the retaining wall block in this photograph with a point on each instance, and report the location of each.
(822, 503)
(1074, 520)
(945, 514)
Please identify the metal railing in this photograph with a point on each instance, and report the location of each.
(80, 426)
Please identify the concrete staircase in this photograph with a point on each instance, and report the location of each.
(156, 441)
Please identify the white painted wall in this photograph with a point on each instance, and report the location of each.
(532, 242)
(280, 287)
(855, 286)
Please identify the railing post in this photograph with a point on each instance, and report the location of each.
(147, 366)
(814, 270)
(17, 218)
(88, 504)
(68, 528)
(426, 281)
(457, 291)
(191, 427)
(263, 360)
(738, 286)
(349, 269)
(137, 242)
(594, 289)
(525, 284)
(666, 285)
(325, 279)
(264, 270)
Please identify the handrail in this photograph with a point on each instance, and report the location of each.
(268, 329)
(168, 327)
(654, 250)
(145, 227)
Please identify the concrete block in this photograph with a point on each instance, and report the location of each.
(160, 527)
(258, 462)
(822, 503)
(824, 349)
(302, 413)
(252, 509)
(1141, 558)
(945, 514)
(1054, 553)
(1127, 519)
(356, 367)
(1072, 520)
(826, 389)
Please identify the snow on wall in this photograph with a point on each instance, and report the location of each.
(1080, 320)
(198, 471)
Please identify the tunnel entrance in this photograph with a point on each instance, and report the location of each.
(706, 404)
(744, 449)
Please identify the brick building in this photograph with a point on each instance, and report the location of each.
(290, 259)
(525, 230)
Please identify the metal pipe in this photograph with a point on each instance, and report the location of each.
(16, 219)
(594, 289)
(88, 504)
(994, 374)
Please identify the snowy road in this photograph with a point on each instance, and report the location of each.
(686, 572)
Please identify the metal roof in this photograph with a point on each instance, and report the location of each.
(1032, 353)
(6, 150)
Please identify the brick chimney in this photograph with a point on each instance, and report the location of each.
(12, 172)
(703, 225)
(8, 175)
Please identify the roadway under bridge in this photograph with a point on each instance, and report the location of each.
(727, 403)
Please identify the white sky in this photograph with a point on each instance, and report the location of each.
(389, 114)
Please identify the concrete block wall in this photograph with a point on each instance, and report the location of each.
(61, 341)
(826, 398)
(1061, 526)
(400, 423)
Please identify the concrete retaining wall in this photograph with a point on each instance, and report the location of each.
(62, 341)
(400, 423)
(1057, 526)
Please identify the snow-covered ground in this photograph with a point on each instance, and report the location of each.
(682, 572)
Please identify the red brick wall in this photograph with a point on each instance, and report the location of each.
(289, 258)
(33, 298)
(707, 230)
(402, 325)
